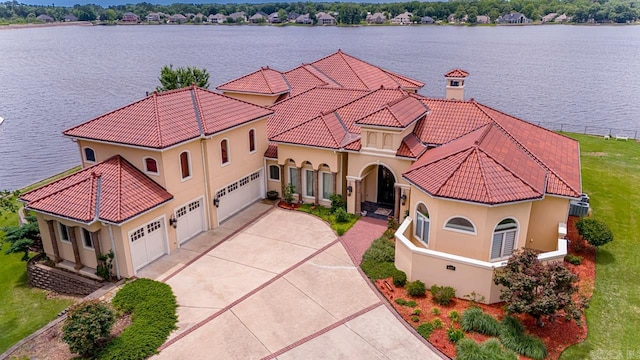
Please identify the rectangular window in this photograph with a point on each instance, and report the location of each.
(87, 241)
(64, 232)
(293, 177)
(310, 182)
(327, 185)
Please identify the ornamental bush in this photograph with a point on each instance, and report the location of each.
(416, 288)
(381, 250)
(399, 278)
(454, 335)
(596, 232)
(476, 320)
(342, 216)
(87, 327)
(467, 349)
(425, 330)
(442, 294)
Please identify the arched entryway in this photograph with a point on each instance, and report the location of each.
(377, 191)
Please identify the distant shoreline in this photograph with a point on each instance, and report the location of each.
(54, 24)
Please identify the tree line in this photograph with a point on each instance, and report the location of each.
(581, 11)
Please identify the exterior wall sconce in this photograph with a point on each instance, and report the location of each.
(173, 221)
(349, 190)
(404, 199)
(216, 202)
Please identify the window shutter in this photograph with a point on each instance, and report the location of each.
(496, 245)
(509, 239)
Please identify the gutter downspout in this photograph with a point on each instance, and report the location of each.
(113, 246)
(206, 183)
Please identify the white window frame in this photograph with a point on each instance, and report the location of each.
(462, 231)
(322, 189)
(146, 170)
(228, 152)
(62, 226)
(255, 141)
(305, 183)
(297, 191)
(424, 218)
(84, 232)
(183, 179)
(279, 175)
(84, 155)
(502, 256)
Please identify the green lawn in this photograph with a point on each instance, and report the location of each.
(326, 215)
(611, 175)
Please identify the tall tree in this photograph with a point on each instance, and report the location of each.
(180, 77)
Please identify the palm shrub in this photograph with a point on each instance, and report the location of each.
(513, 337)
(87, 326)
(476, 320)
(416, 288)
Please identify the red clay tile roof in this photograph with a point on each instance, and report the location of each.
(457, 73)
(164, 119)
(411, 147)
(113, 191)
(484, 166)
(264, 81)
(302, 79)
(398, 114)
(272, 151)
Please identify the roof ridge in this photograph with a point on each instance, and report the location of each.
(96, 214)
(157, 116)
(508, 169)
(195, 99)
(119, 188)
(338, 142)
(469, 150)
(325, 74)
(342, 55)
(307, 70)
(265, 78)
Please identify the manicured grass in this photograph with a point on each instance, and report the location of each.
(610, 175)
(326, 215)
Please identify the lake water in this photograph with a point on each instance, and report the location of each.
(54, 78)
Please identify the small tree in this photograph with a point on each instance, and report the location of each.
(531, 287)
(171, 79)
(87, 327)
(289, 190)
(8, 201)
(596, 232)
(21, 238)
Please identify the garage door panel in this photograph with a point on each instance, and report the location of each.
(239, 194)
(147, 243)
(190, 220)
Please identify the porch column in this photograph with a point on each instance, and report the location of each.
(358, 194)
(299, 184)
(335, 182)
(283, 181)
(396, 202)
(54, 242)
(74, 245)
(316, 174)
(95, 240)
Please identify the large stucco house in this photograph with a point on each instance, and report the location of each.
(468, 183)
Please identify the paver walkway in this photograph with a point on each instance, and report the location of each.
(285, 288)
(358, 239)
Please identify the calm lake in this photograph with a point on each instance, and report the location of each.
(54, 78)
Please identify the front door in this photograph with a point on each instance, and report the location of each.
(386, 180)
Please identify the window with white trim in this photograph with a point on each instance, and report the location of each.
(87, 241)
(310, 183)
(293, 178)
(151, 165)
(421, 227)
(327, 185)
(185, 165)
(64, 232)
(460, 224)
(89, 154)
(274, 172)
(504, 239)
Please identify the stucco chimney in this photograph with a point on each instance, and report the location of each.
(455, 84)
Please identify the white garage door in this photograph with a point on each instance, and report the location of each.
(147, 243)
(190, 220)
(238, 195)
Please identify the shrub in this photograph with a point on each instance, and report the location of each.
(573, 259)
(381, 250)
(596, 232)
(287, 195)
(153, 311)
(87, 326)
(415, 318)
(340, 231)
(105, 266)
(416, 288)
(454, 316)
(442, 294)
(337, 202)
(437, 323)
(514, 338)
(411, 303)
(475, 298)
(454, 335)
(467, 349)
(378, 270)
(476, 320)
(401, 301)
(399, 278)
(342, 216)
(425, 330)
(435, 311)
(416, 312)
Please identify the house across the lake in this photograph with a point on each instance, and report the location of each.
(469, 184)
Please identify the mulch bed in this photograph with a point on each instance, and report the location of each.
(284, 205)
(557, 334)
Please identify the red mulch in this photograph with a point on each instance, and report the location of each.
(291, 206)
(557, 334)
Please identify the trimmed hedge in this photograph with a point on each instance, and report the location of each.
(514, 338)
(467, 349)
(153, 313)
(399, 278)
(476, 320)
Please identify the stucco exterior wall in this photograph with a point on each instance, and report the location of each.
(275, 185)
(262, 100)
(545, 217)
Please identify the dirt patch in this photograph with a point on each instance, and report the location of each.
(49, 345)
(557, 334)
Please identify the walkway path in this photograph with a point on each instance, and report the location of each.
(358, 239)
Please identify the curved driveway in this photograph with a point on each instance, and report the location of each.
(283, 288)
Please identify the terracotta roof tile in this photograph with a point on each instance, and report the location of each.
(411, 147)
(457, 73)
(302, 79)
(113, 190)
(399, 113)
(272, 151)
(354, 73)
(164, 119)
(264, 81)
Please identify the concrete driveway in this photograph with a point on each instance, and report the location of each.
(282, 288)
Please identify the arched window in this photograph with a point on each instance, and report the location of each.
(460, 224)
(421, 228)
(274, 172)
(252, 140)
(185, 165)
(151, 165)
(89, 155)
(504, 239)
(224, 151)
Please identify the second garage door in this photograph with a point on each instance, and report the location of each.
(190, 220)
(239, 194)
(147, 243)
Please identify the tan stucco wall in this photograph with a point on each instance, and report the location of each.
(545, 217)
(484, 218)
(262, 100)
(273, 184)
